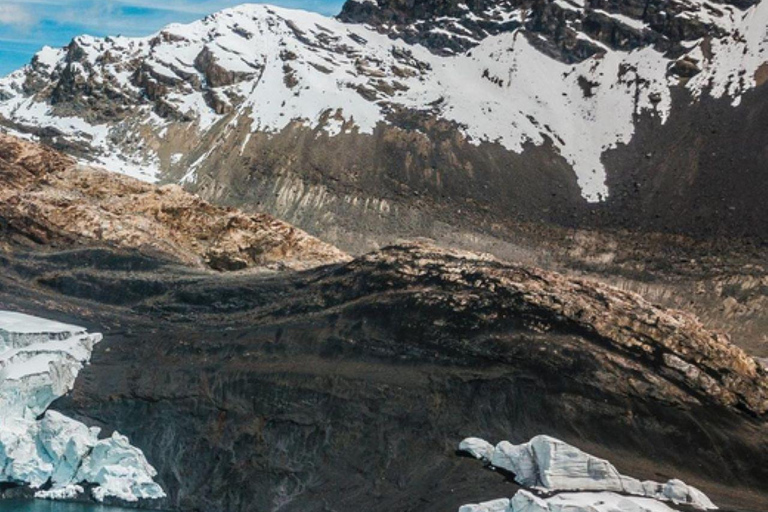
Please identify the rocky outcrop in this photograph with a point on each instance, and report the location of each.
(558, 28)
(215, 74)
(674, 343)
(46, 199)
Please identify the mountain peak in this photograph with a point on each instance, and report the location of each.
(573, 77)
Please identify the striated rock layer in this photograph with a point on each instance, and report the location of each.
(46, 199)
(346, 386)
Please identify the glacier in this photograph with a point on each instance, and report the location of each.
(45, 450)
(582, 481)
(525, 501)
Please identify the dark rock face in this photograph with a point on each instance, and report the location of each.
(74, 92)
(452, 26)
(358, 191)
(701, 173)
(348, 387)
(216, 75)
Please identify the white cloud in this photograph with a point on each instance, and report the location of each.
(14, 14)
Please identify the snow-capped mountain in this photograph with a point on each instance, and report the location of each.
(513, 106)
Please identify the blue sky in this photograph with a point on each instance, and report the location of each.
(27, 25)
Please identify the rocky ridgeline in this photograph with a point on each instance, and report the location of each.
(570, 30)
(46, 199)
(680, 358)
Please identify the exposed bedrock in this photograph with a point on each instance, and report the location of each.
(348, 387)
(362, 191)
(49, 201)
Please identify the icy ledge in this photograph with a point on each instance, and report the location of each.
(525, 501)
(39, 362)
(549, 465)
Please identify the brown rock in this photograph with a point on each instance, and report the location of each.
(47, 198)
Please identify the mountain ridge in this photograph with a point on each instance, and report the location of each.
(326, 114)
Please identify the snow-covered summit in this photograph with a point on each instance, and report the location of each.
(141, 105)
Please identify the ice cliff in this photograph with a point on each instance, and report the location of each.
(39, 362)
(549, 465)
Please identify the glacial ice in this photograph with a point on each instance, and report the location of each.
(477, 448)
(548, 464)
(120, 470)
(525, 501)
(39, 362)
(62, 493)
(500, 505)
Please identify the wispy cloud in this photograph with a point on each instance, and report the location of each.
(15, 15)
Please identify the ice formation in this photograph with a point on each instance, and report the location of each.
(525, 501)
(550, 465)
(39, 362)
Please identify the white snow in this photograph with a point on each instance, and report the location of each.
(626, 20)
(477, 448)
(39, 362)
(49, 56)
(735, 59)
